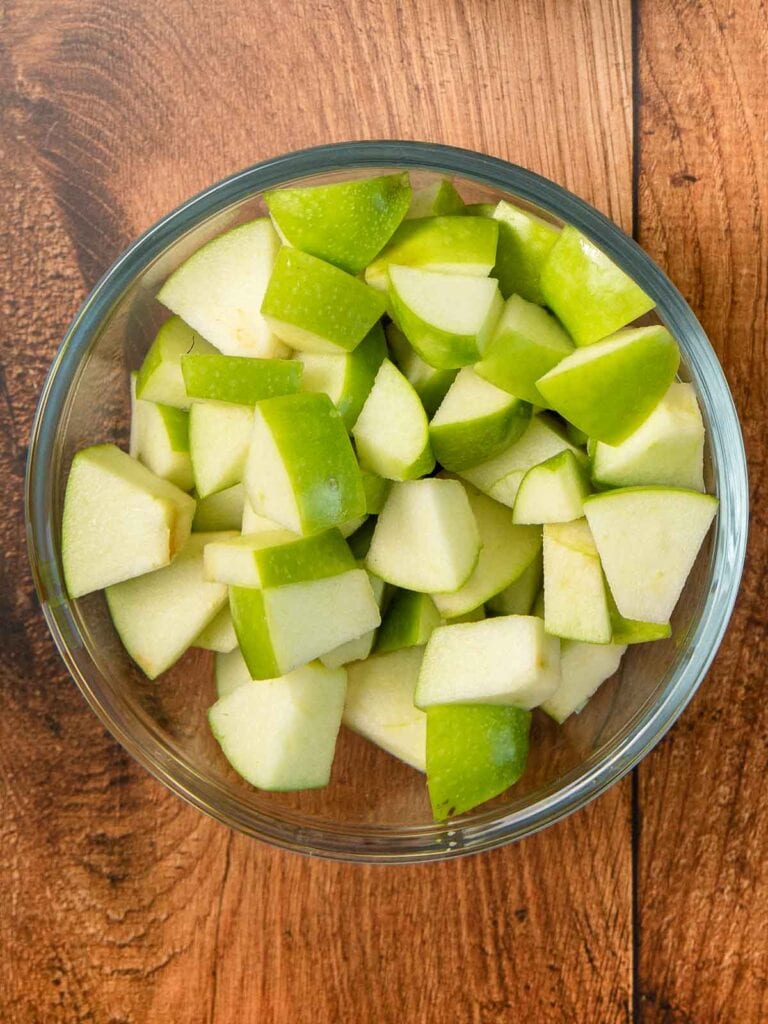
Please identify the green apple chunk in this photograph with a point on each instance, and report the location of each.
(346, 223)
(159, 615)
(648, 539)
(450, 245)
(474, 753)
(359, 648)
(160, 378)
(475, 421)
(346, 379)
(230, 672)
(667, 449)
(280, 734)
(426, 538)
(280, 628)
(500, 477)
(315, 307)
(408, 622)
(219, 289)
(438, 199)
(301, 471)
(219, 634)
(632, 631)
(220, 511)
(376, 489)
(525, 241)
(254, 523)
(160, 440)
(277, 559)
(506, 551)
(583, 669)
(430, 385)
(575, 598)
(527, 343)
(380, 706)
(239, 379)
(219, 439)
(392, 432)
(506, 660)
(120, 520)
(588, 293)
(448, 318)
(518, 597)
(552, 492)
(608, 389)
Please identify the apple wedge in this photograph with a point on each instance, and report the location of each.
(346, 379)
(438, 199)
(277, 559)
(525, 241)
(430, 385)
(609, 388)
(219, 440)
(252, 522)
(426, 538)
(448, 318)
(583, 669)
(633, 631)
(160, 440)
(575, 598)
(518, 597)
(220, 511)
(301, 471)
(280, 734)
(589, 294)
(507, 660)
(408, 622)
(218, 291)
(160, 378)
(379, 705)
(219, 634)
(553, 491)
(159, 615)
(229, 672)
(358, 649)
(239, 379)
(346, 223)
(120, 520)
(648, 539)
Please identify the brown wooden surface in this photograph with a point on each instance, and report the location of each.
(120, 905)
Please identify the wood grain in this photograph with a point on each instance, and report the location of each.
(703, 213)
(119, 903)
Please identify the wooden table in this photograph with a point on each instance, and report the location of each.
(119, 904)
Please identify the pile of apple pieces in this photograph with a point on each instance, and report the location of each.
(423, 530)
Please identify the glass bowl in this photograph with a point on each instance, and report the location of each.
(375, 808)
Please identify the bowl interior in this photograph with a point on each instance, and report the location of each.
(373, 800)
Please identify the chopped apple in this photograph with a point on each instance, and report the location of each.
(632, 631)
(575, 598)
(220, 511)
(230, 671)
(219, 634)
(430, 385)
(277, 559)
(347, 379)
(120, 520)
(239, 379)
(518, 597)
(160, 440)
(438, 199)
(359, 648)
(254, 523)
(408, 622)
(219, 438)
(553, 491)
(583, 669)
(160, 378)
(525, 241)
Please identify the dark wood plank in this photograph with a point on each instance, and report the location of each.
(120, 904)
(703, 204)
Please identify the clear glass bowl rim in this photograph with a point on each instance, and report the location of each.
(410, 843)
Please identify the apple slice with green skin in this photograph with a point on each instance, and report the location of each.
(392, 431)
(475, 421)
(518, 597)
(501, 476)
(160, 440)
(426, 538)
(430, 385)
(473, 663)
(474, 753)
(220, 511)
(448, 318)
(648, 539)
(230, 672)
(315, 307)
(667, 449)
(506, 551)
(409, 622)
(359, 648)
(346, 379)
(376, 489)
(280, 735)
(527, 343)
(159, 615)
(219, 289)
(438, 199)
(588, 293)
(160, 378)
(219, 441)
(608, 389)
(280, 628)
(346, 223)
(254, 523)
(575, 598)
(239, 379)
(525, 242)
(301, 470)
(632, 631)
(449, 245)
(380, 706)
(219, 634)
(277, 559)
(552, 492)
(583, 669)
(120, 520)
